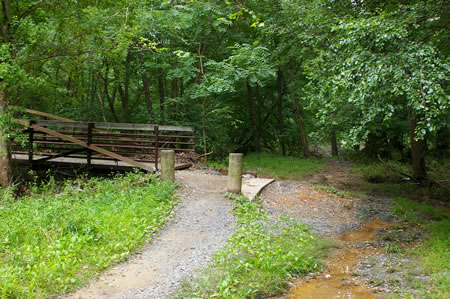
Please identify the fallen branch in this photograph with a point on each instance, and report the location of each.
(427, 183)
(397, 170)
(204, 155)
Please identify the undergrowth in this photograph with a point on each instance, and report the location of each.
(61, 235)
(379, 179)
(260, 257)
(277, 166)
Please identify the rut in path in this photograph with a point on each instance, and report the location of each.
(201, 225)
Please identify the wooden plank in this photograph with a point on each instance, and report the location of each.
(112, 126)
(92, 147)
(142, 127)
(49, 115)
(62, 124)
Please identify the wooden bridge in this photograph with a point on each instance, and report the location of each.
(98, 145)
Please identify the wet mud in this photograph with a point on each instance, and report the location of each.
(338, 281)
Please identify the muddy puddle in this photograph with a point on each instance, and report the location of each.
(337, 281)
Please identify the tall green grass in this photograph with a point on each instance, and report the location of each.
(61, 235)
(277, 166)
(260, 257)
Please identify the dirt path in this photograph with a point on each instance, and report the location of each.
(201, 225)
(203, 222)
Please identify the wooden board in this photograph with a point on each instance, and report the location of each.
(110, 126)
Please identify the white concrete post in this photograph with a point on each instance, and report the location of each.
(168, 165)
(235, 173)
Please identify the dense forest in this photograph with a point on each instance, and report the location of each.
(287, 76)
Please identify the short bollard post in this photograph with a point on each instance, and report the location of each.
(235, 173)
(168, 165)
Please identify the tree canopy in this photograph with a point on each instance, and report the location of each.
(275, 75)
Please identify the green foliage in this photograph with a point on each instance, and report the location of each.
(260, 257)
(275, 165)
(62, 235)
(353, 68)
(380, 62)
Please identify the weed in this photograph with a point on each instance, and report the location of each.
(259, 258)
(63, 234)
(393, 248)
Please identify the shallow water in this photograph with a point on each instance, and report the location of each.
(337, 281)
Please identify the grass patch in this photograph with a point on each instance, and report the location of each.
(434, 254)
(415, 212)
(277, 166)
(260, 257)
(63, 234)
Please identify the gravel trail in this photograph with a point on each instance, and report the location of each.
(201, 224)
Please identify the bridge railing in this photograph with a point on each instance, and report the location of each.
(135, 144)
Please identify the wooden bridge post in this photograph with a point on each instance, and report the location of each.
(168, 165)
(89, 141)
(235, 173)
(30, 142)
(156, 147)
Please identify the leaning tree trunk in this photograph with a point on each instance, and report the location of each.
(301, 129)
(124, 99)
(334, 147)
(147, 94)
(417, 149)
(251, 104)
(5, 155)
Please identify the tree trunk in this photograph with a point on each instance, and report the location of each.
(102, 106)
(147, 94)
(5, 155)
(107, 95)
(417, 149)
(124, 100)
(162, 110)
(259, 104)
(6, 20)
(173, 106)
(280, 110)
(123, 94)
(301, 129)
(254, 124)
(204, 125)
(334, 148)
